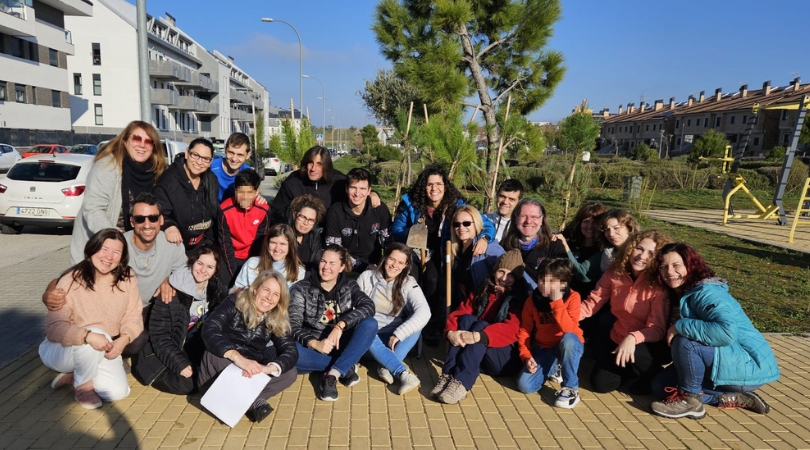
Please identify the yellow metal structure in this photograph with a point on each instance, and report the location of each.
(726, 160)
(804, 207)
(739, 185)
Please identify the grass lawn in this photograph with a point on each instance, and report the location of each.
(772, 284)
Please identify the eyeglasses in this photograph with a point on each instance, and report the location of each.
(525, 218)
(141, 140)
(141, 219)
(305, 219)
(466, 223)
(197, 157)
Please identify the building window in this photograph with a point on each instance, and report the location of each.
(717, 122)
(756, 141)
(732, 120)
(689, 123)
(786, 139)
(17, 46)
(99, 114)
(54, 57)
(77, 84)
(647, 128)
(3, 93)
(679, 141)
(784, 114)
(96, 54)
(96, 84)
(56, 98)
(677, 123)
(744, 119)
(19, 90)
(706, 122)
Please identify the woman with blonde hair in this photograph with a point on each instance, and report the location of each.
(634, 348)
(124, 168)
(279, 253)
(469, 270)
(239, 330)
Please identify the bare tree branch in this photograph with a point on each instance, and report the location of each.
(494, 44)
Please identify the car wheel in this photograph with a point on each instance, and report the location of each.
(11, 229)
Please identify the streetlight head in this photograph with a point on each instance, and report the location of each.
(304, 76)
(267, 19)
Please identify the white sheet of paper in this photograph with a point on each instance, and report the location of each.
(232, 394)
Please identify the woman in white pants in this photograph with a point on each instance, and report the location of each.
(102, 312)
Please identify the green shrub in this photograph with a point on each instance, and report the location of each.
(642, 152)
(775, 154)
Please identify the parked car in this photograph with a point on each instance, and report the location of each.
(173, 148)
(273, 165)
(43, 149)
(44, 191)
(8, 156)
(83, 149)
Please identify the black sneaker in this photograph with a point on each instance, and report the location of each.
(351, 377)
(329, 391)
(259, 413)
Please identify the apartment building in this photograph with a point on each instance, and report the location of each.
(34, 46)
(193, 92)
(678, 125)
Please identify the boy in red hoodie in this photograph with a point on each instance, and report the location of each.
(550, 332)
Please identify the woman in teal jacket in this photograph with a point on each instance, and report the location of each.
(719, 358)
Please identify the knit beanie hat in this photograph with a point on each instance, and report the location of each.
(511, 261)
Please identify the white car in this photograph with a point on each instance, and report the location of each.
(273, 165)
(43, 190)
(8, 156)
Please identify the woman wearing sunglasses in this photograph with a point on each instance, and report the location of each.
(124, 168)
(469, 270)
(187, 193)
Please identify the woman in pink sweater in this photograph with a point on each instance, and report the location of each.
(102, 312)
(632, 351)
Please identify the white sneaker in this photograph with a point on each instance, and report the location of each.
(408, 382)
(557, 377)
(567, 398)
(385, 375)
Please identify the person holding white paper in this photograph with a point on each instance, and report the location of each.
(251, 329)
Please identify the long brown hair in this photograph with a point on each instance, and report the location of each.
(117, 147)
(511, 240)
(397, 299)
(573, 232)
(621, 263)
(277, 321)
(291, 262)
(84, 272)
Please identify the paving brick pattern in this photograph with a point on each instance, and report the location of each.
(371, 416)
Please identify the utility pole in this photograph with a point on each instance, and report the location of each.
(143, 63)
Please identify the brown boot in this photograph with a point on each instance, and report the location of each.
(680, 404)
(745, 400)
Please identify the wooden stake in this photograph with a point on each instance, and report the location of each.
(491, 193)
(424, 106)
(449, 292)
(407, 151)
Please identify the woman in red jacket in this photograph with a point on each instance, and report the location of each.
(634, 350)
(483, 331)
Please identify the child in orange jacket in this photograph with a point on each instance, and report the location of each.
(550, 332)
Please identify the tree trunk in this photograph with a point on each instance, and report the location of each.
(567, 196)
(488, 110)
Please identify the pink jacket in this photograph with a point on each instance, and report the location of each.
(640, 308)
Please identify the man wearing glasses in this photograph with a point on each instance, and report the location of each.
(151, 257)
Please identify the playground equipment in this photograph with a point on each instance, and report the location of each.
(803, 209)
(735, 182)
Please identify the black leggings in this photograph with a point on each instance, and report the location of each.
(607, 376)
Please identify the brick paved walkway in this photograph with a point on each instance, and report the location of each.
(370, 415)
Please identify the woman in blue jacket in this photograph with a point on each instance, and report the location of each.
(433, 200)
(469, 270)
(719, 358)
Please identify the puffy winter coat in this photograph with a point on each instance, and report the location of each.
(711, 316)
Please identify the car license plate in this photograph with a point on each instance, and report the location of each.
(33, 211)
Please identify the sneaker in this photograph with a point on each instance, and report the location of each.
(680, 404)
(408, 382)
(385, 375)
(260, 412)
(745, 400)
(566, 398)
(453, 393)
(329, 391)
(440, 385)
(62, 380)
(88, 398)
(351, 378)
(557, 377)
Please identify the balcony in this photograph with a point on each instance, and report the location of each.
(186, 103)
(169, 70)
(203, 106)
(211, 109)
(17, 19)
(54, 37)
(240, 97)
(199, 81)
(163, 96)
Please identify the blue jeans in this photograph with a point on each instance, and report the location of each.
(354, 343)
(568, 352)
(690, 371)
(392, 360)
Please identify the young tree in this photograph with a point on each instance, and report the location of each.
(369, 135)
(453, 49)
(709, 144)
(387, 95)
(642, 152)
(578, 133)
(276, 147)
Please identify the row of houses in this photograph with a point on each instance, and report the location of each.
(673, 127)
(72, 65)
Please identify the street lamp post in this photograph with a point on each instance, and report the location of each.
(323, 124)
(333, 119)
(300, 68)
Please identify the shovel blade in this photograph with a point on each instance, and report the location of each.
(417, 236)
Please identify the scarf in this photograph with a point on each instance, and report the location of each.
(528, 245)
(136, 178)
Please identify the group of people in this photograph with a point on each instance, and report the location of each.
(186, 269)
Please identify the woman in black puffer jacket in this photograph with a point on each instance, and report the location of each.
(171, 357)
(251, 329)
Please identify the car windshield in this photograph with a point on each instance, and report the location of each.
(81, 149)
(46, 171)
(40, 149)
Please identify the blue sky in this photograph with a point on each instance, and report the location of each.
(615, 51)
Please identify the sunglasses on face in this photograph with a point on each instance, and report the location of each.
(466, 224)
(138, 140)
(141, 219)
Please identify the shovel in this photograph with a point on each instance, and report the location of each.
(417, 238)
